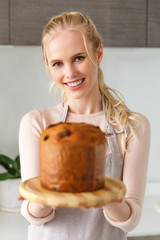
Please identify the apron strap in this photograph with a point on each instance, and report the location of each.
(109, 129)
(64, 112)
(112, 143)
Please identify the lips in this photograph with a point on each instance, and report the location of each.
(75, 84)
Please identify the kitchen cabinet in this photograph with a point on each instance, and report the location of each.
(4, 22)
(121, 23)
(124, 23)
(28, 17)
(154, 23)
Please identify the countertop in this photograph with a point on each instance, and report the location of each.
(150, 220)
(12, 226)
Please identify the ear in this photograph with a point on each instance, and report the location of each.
(100, 53)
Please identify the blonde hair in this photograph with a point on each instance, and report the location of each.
(117, 111)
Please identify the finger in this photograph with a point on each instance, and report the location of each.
(54, 207)
(119, 200)
(20, 198)
(83, 208)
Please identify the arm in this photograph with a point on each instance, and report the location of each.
(126, 215)
(30, 130)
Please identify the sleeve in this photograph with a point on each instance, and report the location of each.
(126, 215)
(35, 220)
(31, 127)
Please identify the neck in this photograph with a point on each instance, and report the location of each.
(85, 106)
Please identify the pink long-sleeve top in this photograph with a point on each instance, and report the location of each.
(134, 168)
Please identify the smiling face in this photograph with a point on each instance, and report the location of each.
(70, 65)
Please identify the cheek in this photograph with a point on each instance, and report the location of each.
(56, 76)
(89, 69)
(92, 71)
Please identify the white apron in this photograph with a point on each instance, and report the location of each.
(76, 224)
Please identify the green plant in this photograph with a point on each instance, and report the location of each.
(11, 165)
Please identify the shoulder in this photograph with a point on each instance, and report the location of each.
(139, 122)
(30, 118)
(41, 118)
(140, 127)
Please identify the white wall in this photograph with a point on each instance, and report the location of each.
(135, 73)
(24, 87)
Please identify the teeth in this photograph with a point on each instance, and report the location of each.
(75, 83)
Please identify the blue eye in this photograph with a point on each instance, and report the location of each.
(79, 58)
(57, 64)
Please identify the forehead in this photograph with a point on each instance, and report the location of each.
(65, 43)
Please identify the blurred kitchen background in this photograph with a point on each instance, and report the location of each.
(131, 64)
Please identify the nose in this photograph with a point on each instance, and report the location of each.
(70, 71)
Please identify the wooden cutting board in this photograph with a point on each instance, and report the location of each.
(114, 190)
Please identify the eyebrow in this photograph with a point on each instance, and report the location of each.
(75, 55)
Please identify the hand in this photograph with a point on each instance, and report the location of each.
(38, 209)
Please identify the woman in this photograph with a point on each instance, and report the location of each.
(73, 50)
